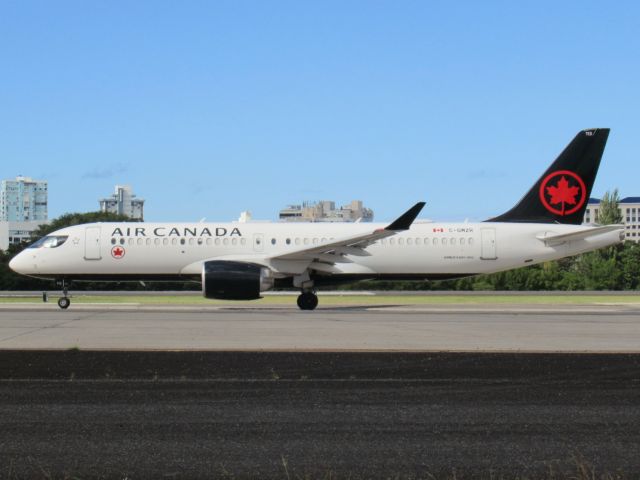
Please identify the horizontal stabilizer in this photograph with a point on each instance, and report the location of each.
(552, 240)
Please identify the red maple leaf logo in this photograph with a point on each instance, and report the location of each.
(117, 252)
(563, 193)
(568, 194)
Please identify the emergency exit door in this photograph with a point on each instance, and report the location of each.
(92, 243)
(488, 244)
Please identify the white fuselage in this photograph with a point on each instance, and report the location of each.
(178, 250)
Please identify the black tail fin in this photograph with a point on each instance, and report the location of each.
(561, 194)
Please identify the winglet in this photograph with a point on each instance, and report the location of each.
(404, 221)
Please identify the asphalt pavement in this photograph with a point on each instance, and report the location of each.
(318, 415)
(547, 328)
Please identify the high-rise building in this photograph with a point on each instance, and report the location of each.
(23, 208)
(629, 210)
(123, 202)
(325, 211)
(23, 200)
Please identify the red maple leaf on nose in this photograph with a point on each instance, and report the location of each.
(117, 252)
(563, 193)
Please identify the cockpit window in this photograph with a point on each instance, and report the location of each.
(50, 241)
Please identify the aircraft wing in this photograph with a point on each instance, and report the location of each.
(335, 250)
(552, 240)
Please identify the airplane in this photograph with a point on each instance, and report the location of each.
(239, 261)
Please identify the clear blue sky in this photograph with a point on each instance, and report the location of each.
(210, 108)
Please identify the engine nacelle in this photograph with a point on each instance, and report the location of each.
(229, 280)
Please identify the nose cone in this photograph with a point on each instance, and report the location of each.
(20, 263)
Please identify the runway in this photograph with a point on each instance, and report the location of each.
(518, 328)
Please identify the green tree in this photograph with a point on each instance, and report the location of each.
(602, 269)
(630, 266)
(599, 270)
(609, 208)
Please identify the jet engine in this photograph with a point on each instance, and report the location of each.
(229, 280)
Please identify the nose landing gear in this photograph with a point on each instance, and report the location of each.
(64, 301)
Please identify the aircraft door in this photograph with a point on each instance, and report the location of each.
(488, 244)
(92, 243)
(258, 242)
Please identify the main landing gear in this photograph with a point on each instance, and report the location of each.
(64, 301)
(307, 301)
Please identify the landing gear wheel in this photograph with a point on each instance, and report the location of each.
(307, 301)
(64, 303)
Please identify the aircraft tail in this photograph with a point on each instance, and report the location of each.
(561, 194)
